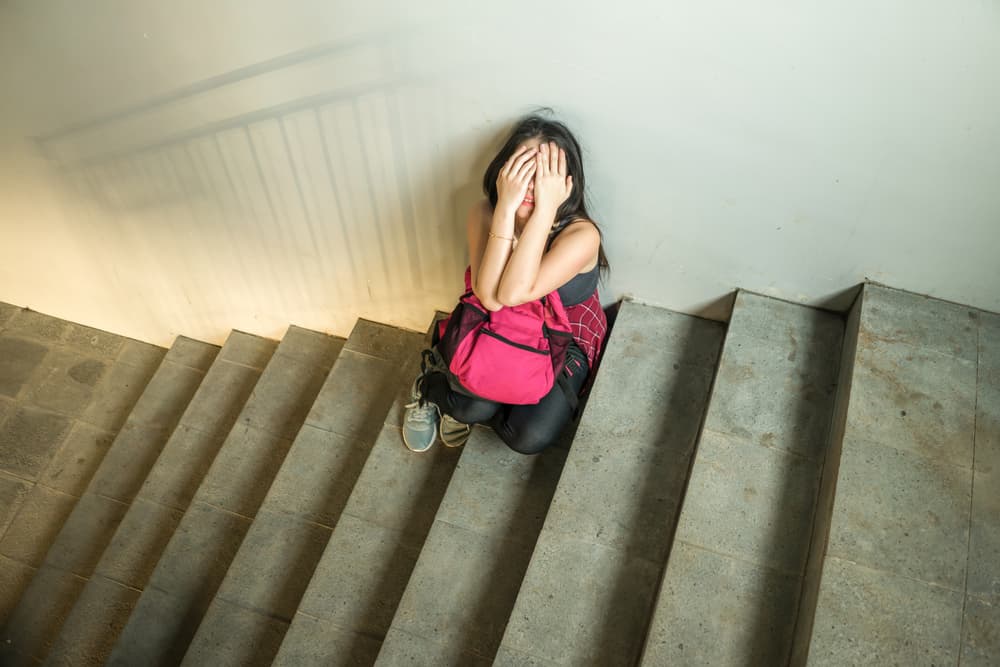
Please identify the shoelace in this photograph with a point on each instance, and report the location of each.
(420, 413)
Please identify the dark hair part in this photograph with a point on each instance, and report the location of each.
(575, 207)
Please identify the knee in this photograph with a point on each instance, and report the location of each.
(470, 412)
(465, 409)
(529, 441)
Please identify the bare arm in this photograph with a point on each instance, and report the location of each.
(531, 272)
(491, 233)
(488, 255)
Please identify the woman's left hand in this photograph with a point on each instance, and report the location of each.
(552, 184)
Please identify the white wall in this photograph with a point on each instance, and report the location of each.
(192, 167)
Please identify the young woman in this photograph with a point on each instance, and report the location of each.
(531, 236)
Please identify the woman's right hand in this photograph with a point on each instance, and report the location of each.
(514, 178)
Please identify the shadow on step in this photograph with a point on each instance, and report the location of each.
(399, 493)
(661, 390)
(511, 548)
(787, 542)
(514, 545)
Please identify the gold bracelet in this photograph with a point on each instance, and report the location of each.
(502, 238)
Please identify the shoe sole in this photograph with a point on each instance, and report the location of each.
(453, 444)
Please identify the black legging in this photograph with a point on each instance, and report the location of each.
(527, 429)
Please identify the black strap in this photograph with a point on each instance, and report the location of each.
(571, 397)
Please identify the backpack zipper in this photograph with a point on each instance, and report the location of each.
(528, 348)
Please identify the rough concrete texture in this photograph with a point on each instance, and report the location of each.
(980, 638)
(170, 608)
(92, 384)
(587, 591)
(912, 517)
(233, 636)
(135, 547)
(12, 493)
(721, 611)
(230, 473)
(14, 578)
(38, 521)
(29, 438)
(362, 550)
(873, 617)
(765, 495)
(988, 396)
(915, 399)
(828, 484)
(74, 464)
(279, 555)
(465, 582)
(981, 620)
(984, 540)
(76, 643)
(911, 571)
(750, 500)
(364, 569)
(39, 613)
(348, 413)
(7, 312)
(82, 540)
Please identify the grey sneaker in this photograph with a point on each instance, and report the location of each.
(453, 432)
(420, 421)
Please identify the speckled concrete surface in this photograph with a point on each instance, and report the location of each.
(912, 574)
(588, 589)
(730, 591)
(66, 391)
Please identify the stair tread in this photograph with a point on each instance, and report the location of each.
(108, 468)
(470, 568)
(283, 546)
(364, 568)
(590, 581)
(231, 495)
(748, 510)
(131, 533)
(914, 523)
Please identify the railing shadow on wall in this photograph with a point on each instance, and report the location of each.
(319, 180)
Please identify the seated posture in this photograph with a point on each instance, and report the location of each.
(531, 236)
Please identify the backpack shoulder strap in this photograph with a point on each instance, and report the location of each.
(571, 397)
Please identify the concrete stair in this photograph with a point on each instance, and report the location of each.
(108, 479)
(799, 487)
(257, 599)
(346, 609)
(249, 374)
(232, 483)
(588, 589)
(906, 561)
(738, 557)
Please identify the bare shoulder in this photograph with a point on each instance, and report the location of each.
(580, 231)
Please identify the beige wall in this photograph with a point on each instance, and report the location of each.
(192, 167)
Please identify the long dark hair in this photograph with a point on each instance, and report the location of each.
(537, 125)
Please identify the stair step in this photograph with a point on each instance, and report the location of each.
(65, 391)
(232, 477)
(906, 568)
(465, 582)
(131, 545)
(730, 590)
(348, 605)
(245, 623)
(589, 586)
(109, 476)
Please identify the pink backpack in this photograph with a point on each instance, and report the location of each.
(513, 355)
